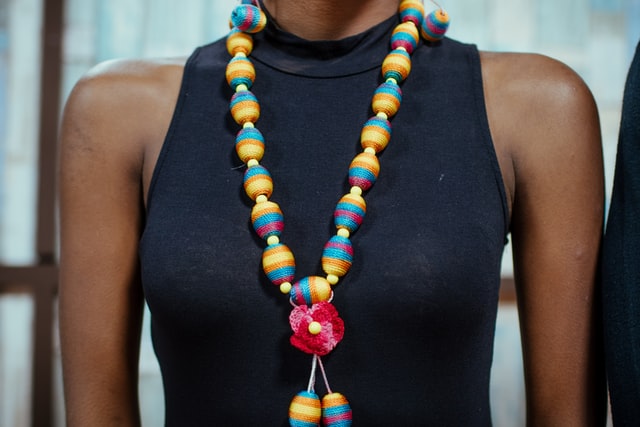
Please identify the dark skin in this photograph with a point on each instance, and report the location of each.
(545, 129)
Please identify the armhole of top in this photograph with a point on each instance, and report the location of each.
(487, 139)
(173, 125)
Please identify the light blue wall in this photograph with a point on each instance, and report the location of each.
(4, 66)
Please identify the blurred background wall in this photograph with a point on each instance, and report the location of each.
(595, 37)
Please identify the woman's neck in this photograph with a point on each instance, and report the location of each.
(329, 19)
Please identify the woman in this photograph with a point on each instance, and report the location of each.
(484, 144)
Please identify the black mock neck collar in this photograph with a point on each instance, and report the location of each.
(289, 53)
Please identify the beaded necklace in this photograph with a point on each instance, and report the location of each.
(317, 327)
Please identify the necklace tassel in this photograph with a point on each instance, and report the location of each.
(307, 410)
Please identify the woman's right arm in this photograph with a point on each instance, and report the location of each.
(109, 119)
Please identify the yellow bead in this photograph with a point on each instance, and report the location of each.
(272, 240)
(241, 88)
(240, 55)
(382, 115)
(332, 278)
(315, 328)
(343, 232)
(392, 81)
(356, 190)
(248, 125)
(253, 162)
(239, 42)
(285, 287)
(370, 150)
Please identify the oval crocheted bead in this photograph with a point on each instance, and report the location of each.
(258, 182)
(413, 11)
(248, 18)
(337, 256)
(350, 212)
(310, 290)
(305, 410)
(267, 219)
(249, 144)
(406, 36)
(278, 264)
(240, 71)
(239, 42)
(387, 99)
(244, 107)
(376, 133)
(397, 65)
(336, 411)
(364, 170)
(435, 25)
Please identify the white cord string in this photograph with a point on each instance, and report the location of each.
(312, 377)
(324, 375)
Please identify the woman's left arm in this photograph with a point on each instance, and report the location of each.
(544, 117)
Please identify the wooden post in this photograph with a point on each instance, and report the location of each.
(45, 281)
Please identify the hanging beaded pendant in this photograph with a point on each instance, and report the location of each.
(317, 327)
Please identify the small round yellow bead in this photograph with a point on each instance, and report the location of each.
(253, 162)
(285, 287)
(241, 88)
(392, 80)
(240, 55)
(262, 198)
(382, 115)
(315, 328)
(343, 232)
(332, 279)
(356, 190)
(248, 125)
(272, 240)
(370, 150)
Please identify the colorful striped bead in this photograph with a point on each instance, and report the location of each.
(310, 290)
(258, 182)
(240, 71)
(397, 65)
(244, 107)
(239, 42)
(406, 36)
(387, 99)
(278, 263)
(249, 144)
(364, 170)
(376, 133)
(337, 256)
(350, 212)
(435, 25)
(305, 410)
(336, 411)
(248, 18)
(412, 11)
(267, 219)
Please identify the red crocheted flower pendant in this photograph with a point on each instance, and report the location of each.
(316, 329)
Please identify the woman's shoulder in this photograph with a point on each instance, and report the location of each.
(123, 104)
(127, 84)
(532, 95)
(533, 77)
(541, 116)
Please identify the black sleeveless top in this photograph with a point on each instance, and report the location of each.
(420, 301)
